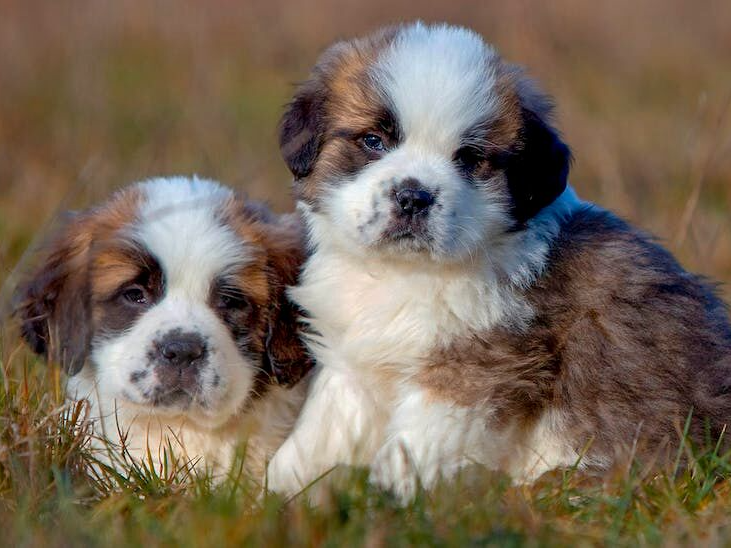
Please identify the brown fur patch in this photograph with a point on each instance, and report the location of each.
(624, 342)
(272, 323)
(321, 131)
(111, 269)
(54, 305)
(520, 142)
(330, 112)
(118, 266)
(75, 293)
(250, 283)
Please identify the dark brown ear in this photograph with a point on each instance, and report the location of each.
(537, 167)
(285, 353)
(52, 304)
(537, 172)
(302, 127)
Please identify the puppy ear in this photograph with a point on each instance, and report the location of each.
(287, 357)
(537, 170)
(537, 174)
(52, 304)
(302, 127)
(286, 354)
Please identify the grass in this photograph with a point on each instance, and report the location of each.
(96, 95)
(48, 497)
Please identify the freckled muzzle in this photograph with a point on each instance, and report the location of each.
(178, 358)
(411, 206)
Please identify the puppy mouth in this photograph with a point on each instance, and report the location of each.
(181, 392)
(407, 234)
(172, 396)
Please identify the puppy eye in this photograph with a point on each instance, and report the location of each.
(232, 301)
(373, 142)
(135, 295)
(468, 157)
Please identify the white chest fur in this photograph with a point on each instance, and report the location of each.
(372, 312)
(375, 324)
(373, 315)
(125, 432)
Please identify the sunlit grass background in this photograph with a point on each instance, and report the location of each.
(94, 95)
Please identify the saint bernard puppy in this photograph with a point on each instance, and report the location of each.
(464, 306)
(166, 307)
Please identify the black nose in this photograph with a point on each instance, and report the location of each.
(181, 349)
(413, 201)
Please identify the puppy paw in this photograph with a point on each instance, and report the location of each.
(284, 472)
(393, 469)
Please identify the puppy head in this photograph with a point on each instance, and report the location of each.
(173, 292)
(419, 140)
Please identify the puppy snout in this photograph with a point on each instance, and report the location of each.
(180, 349)
(414, 200)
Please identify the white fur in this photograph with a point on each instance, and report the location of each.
(427, 440)
(179, 223)
(439, 81)
(431, 440)
(342, 421)
(124, 433)
(377, 322)
(452, 62)
(380, 306)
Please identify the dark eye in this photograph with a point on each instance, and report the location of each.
(373, 142)
(135, 295)
(468, 157)
(232, 301)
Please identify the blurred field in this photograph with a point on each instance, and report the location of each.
(94, 95)
(98, 94)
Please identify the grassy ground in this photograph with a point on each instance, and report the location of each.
(95, 95)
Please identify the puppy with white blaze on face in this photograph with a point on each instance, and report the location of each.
(167, 308)
(465, 306)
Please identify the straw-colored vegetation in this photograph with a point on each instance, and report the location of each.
(94, 95)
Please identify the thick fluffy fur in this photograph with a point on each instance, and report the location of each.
(167, 307)
(486, 314)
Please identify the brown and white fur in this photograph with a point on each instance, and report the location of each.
(166, 307)
(465, 306)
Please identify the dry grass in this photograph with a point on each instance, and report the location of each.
(94, 95)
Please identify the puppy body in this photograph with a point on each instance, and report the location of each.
(379, 322)
(465, 305)
(167, 307)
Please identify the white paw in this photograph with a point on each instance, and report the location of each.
(284, 472)
(393, 469)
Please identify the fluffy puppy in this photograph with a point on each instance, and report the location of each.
(465, 305)
(166, 307)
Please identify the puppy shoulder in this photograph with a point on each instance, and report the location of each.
(603, 271)
(598, 256)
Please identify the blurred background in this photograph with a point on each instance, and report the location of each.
(97, 94)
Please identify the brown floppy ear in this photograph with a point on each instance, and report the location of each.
(52, 304)
(537, 169)
(286, 356)
(302, 127)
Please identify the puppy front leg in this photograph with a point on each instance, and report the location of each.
(426, 441)
(338, 425)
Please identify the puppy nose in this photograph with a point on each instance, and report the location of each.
(413, 201)
(181, 349)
